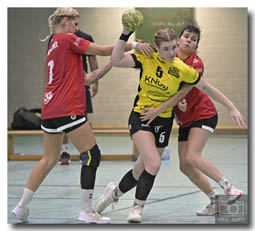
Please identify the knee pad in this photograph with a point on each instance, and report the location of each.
(92, 157)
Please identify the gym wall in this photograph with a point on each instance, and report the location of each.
(223, 48)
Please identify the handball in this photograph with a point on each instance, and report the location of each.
(132, 19)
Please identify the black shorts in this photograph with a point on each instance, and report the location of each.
(159, 127)
(207, 124)
(62, 124)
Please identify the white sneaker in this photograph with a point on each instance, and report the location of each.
(21, 213)
(93, 217)
(135, 215)
(107, 198)
(210, 210)
(233, 194)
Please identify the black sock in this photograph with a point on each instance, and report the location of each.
(127, 182)
(144, 185)
(88, 177)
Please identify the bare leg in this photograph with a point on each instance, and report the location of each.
(196, 177)
(128, 181)
(196, 141)
(149, 154)
(83, 138)
(139, 165)
(52, 148)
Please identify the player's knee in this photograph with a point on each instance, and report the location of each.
(185, 165)
(48, 162)
(92, 157)
(191, 160)
(154, 166)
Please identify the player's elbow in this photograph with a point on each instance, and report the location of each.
(204, 86)
(115, 61)
(102, 51)
(106, 50)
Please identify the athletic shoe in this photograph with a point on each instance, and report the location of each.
(107, 198)
(233, 194)
(65, 158)
(135, 215)
(21, 213)
(93, 218)
(210, 210)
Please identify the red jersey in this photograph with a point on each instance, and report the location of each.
(199, 105)
(65, 92)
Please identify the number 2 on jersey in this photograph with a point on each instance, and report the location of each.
(50, 64)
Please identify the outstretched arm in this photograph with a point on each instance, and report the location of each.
(236, 116)
(95, 49)
(94, 76)
(151, 113)
(118, 58)
(203, 85)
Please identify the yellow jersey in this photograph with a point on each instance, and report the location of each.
(160, 80)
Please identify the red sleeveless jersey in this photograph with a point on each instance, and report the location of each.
(65, 92)
(199, 105)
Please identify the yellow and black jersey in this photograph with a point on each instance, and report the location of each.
(160, 80)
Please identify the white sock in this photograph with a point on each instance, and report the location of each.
(224, 184)
(64, 148)
(118, 194)
(86, 200)
(26, 197)
(139, 202)
(212, 195)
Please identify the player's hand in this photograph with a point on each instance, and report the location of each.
(94, 88)
(144, 48)
(182, 105)
(149, 115)
(125, 31)
(237, 117)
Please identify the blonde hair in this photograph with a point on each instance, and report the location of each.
(166, 35)
(57, 16)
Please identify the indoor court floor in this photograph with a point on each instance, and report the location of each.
(173, 199)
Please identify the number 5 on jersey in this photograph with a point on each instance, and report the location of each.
(159, 72)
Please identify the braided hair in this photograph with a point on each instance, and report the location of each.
(166, 35)
(55, 18)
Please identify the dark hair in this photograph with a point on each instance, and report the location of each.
(191, 28)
